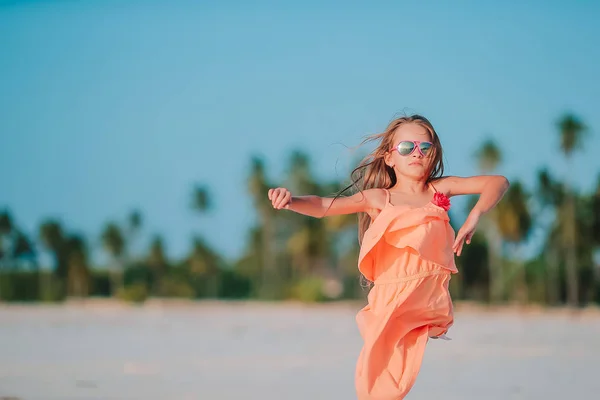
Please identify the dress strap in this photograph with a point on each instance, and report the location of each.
(432, 187)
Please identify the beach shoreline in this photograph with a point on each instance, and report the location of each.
(462, 307)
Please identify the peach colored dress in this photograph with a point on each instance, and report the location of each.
(407, 254)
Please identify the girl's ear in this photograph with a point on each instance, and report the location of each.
(388, 159)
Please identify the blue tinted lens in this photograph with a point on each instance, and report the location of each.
(405, 148)
(425, 147)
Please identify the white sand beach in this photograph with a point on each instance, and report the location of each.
(263, 351)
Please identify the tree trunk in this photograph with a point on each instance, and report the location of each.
(522, 289)
(552, 282)
(268, 284)
(571, 256)
(116, 281)
(596, 266)
(116, 275)
(495, 265)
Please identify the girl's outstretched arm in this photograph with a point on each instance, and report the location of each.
(319, 207)
(490, 188)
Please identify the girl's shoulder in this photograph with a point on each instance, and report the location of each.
(376, 200)
(369, 201)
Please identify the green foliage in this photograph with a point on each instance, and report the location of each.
(100, 283)
(308, 290)
(488, 156)
(201, 199)
(25, 286)
(234, 286)
(571, 131)
(172, 287)
(6, 224)
(474, 275)
(135, 293)
(22, 286)
(113, 239)
(292, 256)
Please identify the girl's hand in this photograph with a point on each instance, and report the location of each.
(280, 198)
(465, 233)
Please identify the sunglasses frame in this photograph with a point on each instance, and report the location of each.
(417, 145)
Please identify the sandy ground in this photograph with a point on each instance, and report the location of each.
(262, 351)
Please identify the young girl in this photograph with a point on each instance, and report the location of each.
(407, 248)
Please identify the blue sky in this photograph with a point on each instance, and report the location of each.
(107, 106)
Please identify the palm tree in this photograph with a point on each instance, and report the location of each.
(201, 199)
(53, 238)
(550, 196)
(571, 131)
(595, 229)
(157, 260)
(300, 177)
(488, 157)
(203, 264)
(134, 224)
(135, 220)
(2, 250)
(18, 248)
(250, 263)
(596, 213)
(308, 245)
(5, 223)
(258, 187)
(114, 243)
(587, 246)
(514, 225)
(78, 283)
(342, 229)
(6, 227)
(23, 249)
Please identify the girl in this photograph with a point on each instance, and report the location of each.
(407, 248)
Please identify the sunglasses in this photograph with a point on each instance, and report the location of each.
(407, 147)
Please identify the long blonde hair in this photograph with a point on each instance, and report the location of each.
(373, 172)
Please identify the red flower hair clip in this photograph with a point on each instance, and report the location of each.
(441, 200)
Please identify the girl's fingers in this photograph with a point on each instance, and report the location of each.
(281, 199)
(467, 240)
(458, 243)
(273, 193)
(273, 196)
(459, 251)
(469, 237)
(286, 200)
(276, 200)
(458, 239)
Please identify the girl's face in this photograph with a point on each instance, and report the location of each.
(410, 155)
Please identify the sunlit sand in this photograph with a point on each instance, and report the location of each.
(220, 350)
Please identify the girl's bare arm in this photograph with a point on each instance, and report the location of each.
(319, 207)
